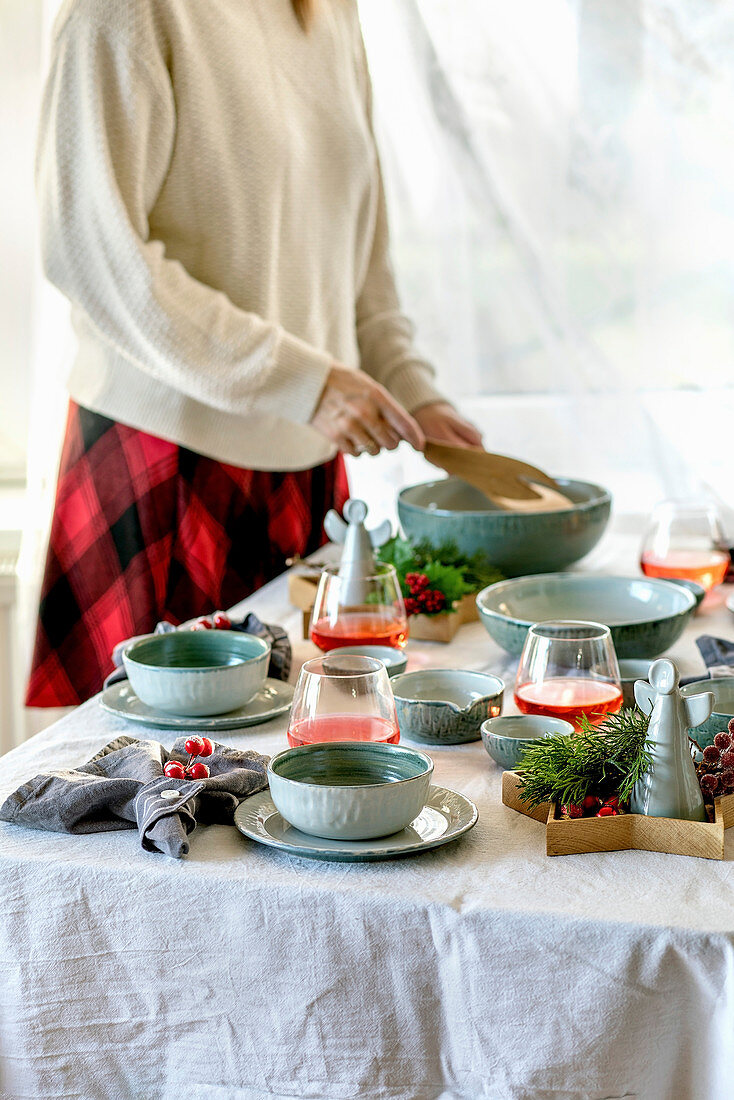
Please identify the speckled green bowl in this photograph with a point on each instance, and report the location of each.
(197, 672)
(517, 543)
(445, 706)
(350, 790)
(506, 739)
(645, 615)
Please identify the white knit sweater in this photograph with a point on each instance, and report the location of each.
(211, 204)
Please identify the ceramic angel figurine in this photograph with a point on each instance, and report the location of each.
(670, 787)
(357, 560)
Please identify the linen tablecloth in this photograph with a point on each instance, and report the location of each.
(483, 969)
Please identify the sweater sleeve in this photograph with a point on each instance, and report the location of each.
(384, 333)
(107, 130)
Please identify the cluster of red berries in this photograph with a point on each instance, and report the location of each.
(194, 769)
(423, 599)
(218, 621)
(592, 806)
(716, 769)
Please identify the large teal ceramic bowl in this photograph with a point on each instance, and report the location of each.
(645, 615)
(723, 690)
(197, 672)
(516, 543)
(350, 790)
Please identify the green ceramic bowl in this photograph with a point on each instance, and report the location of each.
(517, 543)
(350, 790)
(723, 690)
(505, 739)
(645, 615)
(197, 672)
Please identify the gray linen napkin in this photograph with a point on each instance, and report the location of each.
(123, 787)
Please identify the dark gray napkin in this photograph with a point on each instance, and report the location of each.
(281, 653)
(718, 655)
(123, 787)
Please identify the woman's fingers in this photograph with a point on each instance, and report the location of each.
(359, 415)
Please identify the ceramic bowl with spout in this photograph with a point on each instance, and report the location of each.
(445, 706)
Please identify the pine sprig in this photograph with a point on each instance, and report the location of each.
(599, 760)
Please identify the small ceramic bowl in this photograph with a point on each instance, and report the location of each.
(197, 673)
(505, 739)
(445, 706)
(350, 790)
(723, 689)
(394, 660)
(631, 669)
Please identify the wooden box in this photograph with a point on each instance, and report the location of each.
(442, 627)
(573, 836)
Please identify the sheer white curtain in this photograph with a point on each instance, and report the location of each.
(561, 190)
(560, 177)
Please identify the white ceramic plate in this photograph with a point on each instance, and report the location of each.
(274, 698)
(446, 816)
(730, 602)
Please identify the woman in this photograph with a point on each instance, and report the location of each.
(211, 204)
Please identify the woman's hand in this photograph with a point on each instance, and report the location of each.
(359, 415)
(442, 423)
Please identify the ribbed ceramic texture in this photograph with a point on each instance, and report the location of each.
(645, 615)
(506, 739)
(197, 673)
(350, 790)
(452, 511)
(445, 706)
(723, 690)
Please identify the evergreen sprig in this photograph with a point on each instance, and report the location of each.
(599, 760)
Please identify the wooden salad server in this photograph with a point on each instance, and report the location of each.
(506, 481)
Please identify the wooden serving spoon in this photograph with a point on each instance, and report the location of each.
(506, 481)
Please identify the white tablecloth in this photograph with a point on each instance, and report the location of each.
(482, 969)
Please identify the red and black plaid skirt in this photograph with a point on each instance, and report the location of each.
(144, 530)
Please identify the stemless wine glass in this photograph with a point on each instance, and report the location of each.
(359, 610)
(685, 539)
(569, 670)
(341, 697)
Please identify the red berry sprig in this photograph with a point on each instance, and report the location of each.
(423, 599)
(194, 769)
(593, 806)
(218, 621)
(716, 767)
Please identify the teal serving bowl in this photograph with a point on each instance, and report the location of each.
(723, 692)
(445, 706)
(645, 615)
(197, 672)
(516, 543)
(350, 790)
(506, 739)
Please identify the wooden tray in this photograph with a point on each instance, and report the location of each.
(573, 836)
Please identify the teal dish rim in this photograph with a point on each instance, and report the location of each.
(240, 659)
(603, 497)
(681, 589)
(306, 750)
(397, 694)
